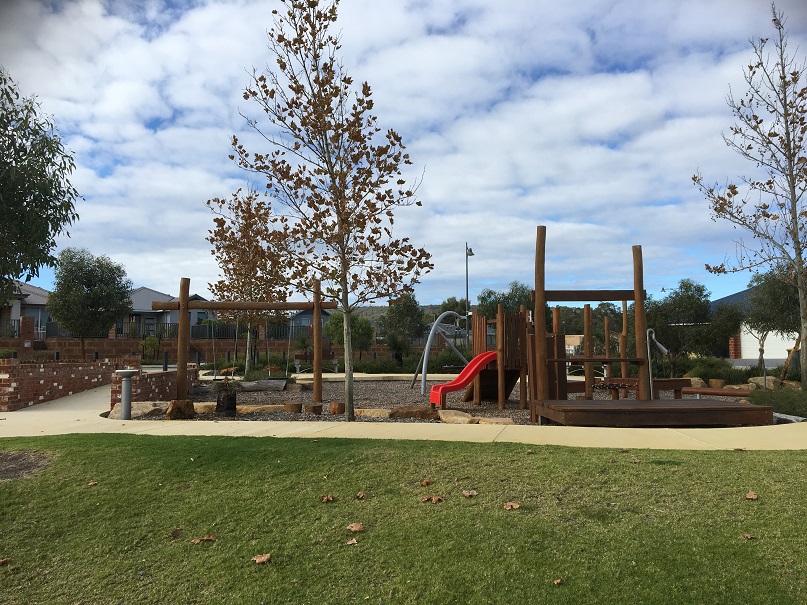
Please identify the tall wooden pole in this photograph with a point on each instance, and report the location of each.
(500, 374)
(539, 320)
(607, 329)
(184, 338)
(588, 352)
(640, 322)
(317, 335)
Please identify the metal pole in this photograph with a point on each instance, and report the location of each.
(126, 392)
(468, 252)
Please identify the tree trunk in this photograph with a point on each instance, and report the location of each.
(248, 361)
(802, 288)
(762, 338)
(349, 413)
(796, 345)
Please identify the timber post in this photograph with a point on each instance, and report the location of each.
(183, 338)
(500, 356)
(588, 351)
(640, 321)
(539, 321)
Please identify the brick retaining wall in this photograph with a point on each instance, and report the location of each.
(154, 386)
(26, 384)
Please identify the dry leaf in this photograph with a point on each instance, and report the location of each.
(432, 499)
(425, 483)
(469, 493)
(261, 559)
(635, 461)
(5, 561)
(557, 582)
(511, 506)
(748, 536)
(751, 496)
(176, 533)
(91, 483)
(327, 498)
(352, 542)
(530, 451)
(614, 460)
(207, 538)
(355, 527)
(361, 496)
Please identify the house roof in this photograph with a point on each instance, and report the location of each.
(32, 295)
(732, 299)
(142, 298)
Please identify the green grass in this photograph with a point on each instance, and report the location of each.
(784, 401)
(614, 526)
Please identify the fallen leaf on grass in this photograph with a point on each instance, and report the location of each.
(425, 483)
(432, 499)
(511, 506)
(207, 538)
(327, 498)
(530, 451)
(5, 561)
(261, 559)
(352, 542)
(613, 460)
(176, 533)
(751, 496)
(361, 496)
(748, 536)
(557, 582)
(635, 461)
(355, 527)
(91, 483)
(469, 493)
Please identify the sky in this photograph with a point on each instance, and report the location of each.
(589, 117)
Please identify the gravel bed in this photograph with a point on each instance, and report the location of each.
(374, 394)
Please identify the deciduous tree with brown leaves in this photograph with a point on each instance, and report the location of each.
(770, 130)
(335, 177)
(249, 268)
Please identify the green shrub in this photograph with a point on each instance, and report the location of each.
(708, 368)
(6, 353)
(254, 375)
(784, 401)
(151, 347)
(377, 366)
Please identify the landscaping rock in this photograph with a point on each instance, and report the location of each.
(180, 409)
(771, 382)
(140, 409)
(791, 385)
(496, 421)
(745, 387)
(204, 407)
(698, 383)
(716, 383)
(265, 408)
(414, 411)
(455, 417)
(372, 413)
(258, 386)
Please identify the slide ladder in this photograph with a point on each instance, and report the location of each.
(439, 391)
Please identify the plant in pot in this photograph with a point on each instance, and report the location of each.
(226, 391)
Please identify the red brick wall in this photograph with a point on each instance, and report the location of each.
(735, 348)
(26, 384)
(154, 386)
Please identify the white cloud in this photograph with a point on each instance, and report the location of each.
(588, 117)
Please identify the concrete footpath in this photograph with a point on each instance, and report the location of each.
(81, 413)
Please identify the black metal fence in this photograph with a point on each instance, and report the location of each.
(206, 331)
(10, 328)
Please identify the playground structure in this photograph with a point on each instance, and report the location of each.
(183, 305)
(527, 353)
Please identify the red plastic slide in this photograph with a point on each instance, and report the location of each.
(437, 396)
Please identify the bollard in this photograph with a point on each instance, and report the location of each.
(95, 356)
(198, 359)
(126, 392)
(165, 361)
(56, 356)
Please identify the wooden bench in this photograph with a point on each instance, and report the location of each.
(714, 392)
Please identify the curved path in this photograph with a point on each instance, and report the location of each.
(80, 413)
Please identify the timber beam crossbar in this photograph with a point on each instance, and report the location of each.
(588, 295)
(241, 306)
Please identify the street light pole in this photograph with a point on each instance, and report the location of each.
(468, 252)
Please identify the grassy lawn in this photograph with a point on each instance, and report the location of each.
(112, 518)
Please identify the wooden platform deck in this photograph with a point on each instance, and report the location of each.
(656, 413)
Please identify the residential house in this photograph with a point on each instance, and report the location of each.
(28, 301)
(144, 321)
(745, 345)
